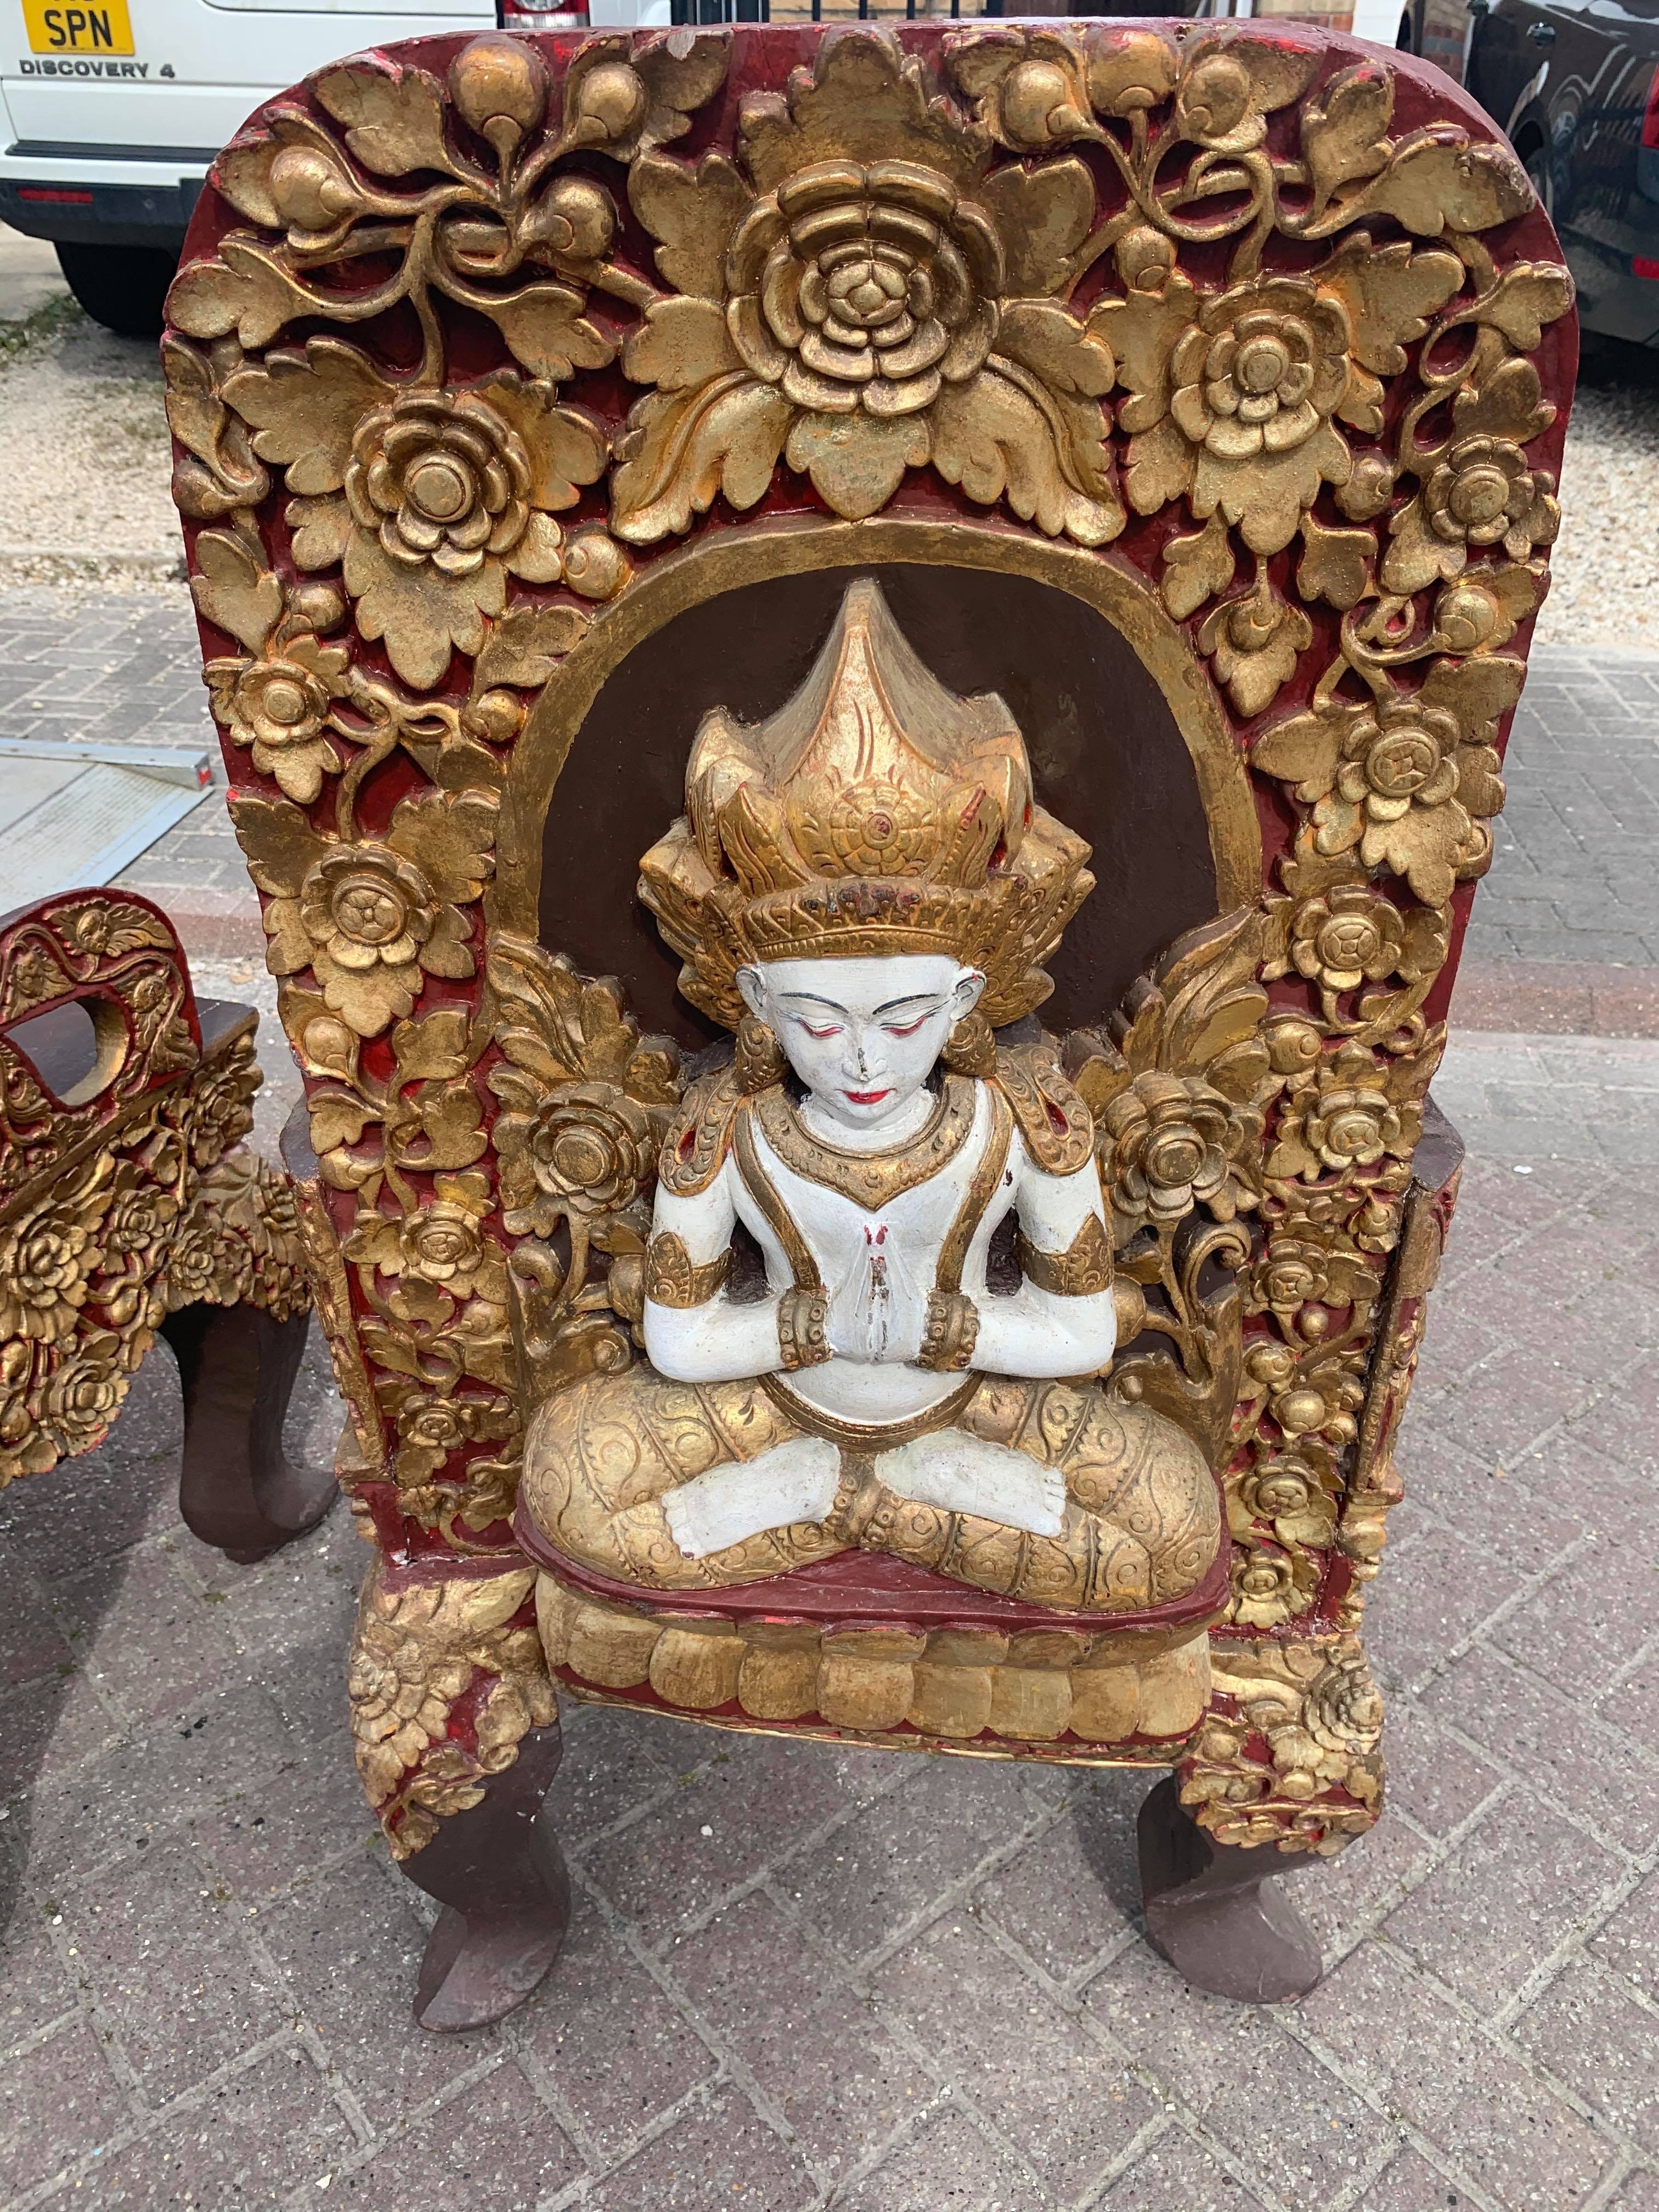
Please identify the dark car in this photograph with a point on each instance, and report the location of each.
(1576, 85)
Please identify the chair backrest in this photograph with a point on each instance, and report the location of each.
(1200, 389)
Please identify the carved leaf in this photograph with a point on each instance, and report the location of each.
(1335, 564)
(394, 116)
(1197, 568)
(1344, 131)
(526, 646)
(1042, 216)
(546, 330)
(1523, 300)
(681, 345)
(433, 1048)
(234, 590)
(1508, 403)
(999, 439)
(337, 1117)
(678, 79)
(1437, 181)
(693, 215)
(305, 408)
(856, 462)
(246, 289)
(1391, 292)
(682, 449)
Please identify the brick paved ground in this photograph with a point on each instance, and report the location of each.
(801, 1978)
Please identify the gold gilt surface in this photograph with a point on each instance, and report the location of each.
(131, 1198)
(1252, 339)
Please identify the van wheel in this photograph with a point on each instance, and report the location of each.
(122, 286)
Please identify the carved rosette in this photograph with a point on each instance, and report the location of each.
(1288, 1753)
(1272, 317)
(139, 1200)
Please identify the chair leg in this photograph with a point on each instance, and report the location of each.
(498, 1872)
(237, 1490)
(1215, 1912)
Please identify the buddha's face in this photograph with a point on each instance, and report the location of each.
(863, 1036)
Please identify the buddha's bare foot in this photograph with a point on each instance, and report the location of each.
(793, 1482)
(961, 1474)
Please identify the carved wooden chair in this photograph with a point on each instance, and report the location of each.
(1197, 392)
(130, 1209)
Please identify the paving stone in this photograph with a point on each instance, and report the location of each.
(1608, 1782)
(348, 1946)
(58, 2100)
(1412, 2184)
(1435, 1592)
(1630, 1943)
(861, 1885)
(149, 1641)
(1406, 2047)
(1639, 2194)
(1252, 2089)
(1034, 2071)
(948, 2167)
(1585, 1623)
(615, 2048)
(249, 2140)
(1428, 1774)
(820, 2052)
(1592, 2035)
(754, 1801)
(33, 1641)
(722, 2158)
(1175, 2174)
(494, 2145)
(166, 1959)
(1505, 1897)
(1074, 1888)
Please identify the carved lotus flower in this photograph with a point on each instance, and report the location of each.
(279, 707)
(430, 1426)
(1270, 1587)
(1171, 1142)
(1236, 396)
(216, 1112)
(1407, 783)
(588, 1149)
(46, 1255)
(24, 1448)
(370, 917)
(429, 496)
(865, 288)
(83, 1397)
(861, 316)
(1296, 1491)
(1484, 494)
(1351, 1115)
(1341, 1710)
(441, 1242)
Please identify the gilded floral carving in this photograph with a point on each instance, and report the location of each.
(416, 1653)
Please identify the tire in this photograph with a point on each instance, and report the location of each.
(122, 286)
(1537, 164)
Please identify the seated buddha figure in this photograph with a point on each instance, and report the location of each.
(862, 887)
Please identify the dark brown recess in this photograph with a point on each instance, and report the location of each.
(1105, 751)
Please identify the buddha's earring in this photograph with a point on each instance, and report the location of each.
(760, 1058)
(971, 1047)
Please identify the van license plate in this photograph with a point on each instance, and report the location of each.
(93, 27)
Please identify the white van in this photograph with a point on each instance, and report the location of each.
(111, 110)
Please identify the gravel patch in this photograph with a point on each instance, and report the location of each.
(1605, 564)
(87, 460)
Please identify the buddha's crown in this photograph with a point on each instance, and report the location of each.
(874, 813)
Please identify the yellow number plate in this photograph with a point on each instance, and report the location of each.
(90, 26)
